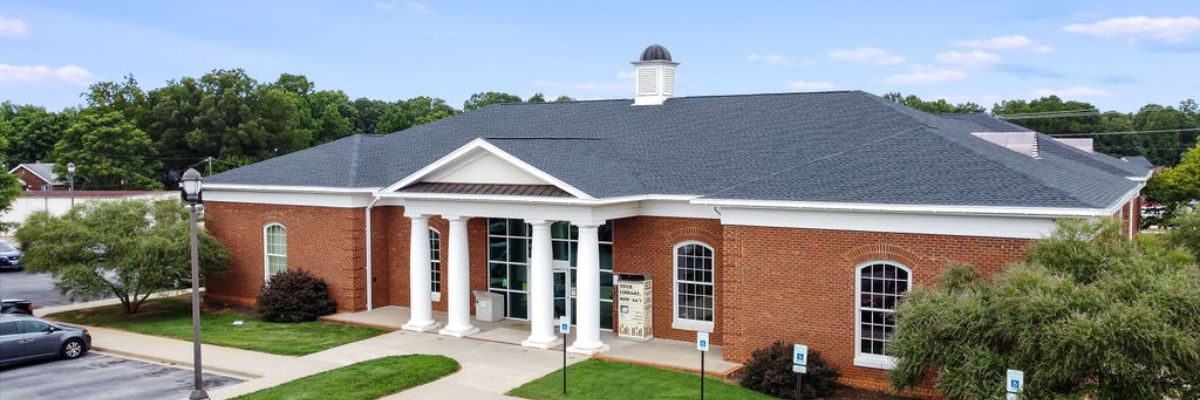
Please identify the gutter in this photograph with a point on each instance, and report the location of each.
(370, 275)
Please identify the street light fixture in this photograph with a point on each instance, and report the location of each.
(191, 183)
(71, 178)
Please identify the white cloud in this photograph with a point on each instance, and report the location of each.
(625, 75)
(976, 58)
(865, 55)
(71, 74)
(1012, 42)
(924, 75)
(413, 6)
(776, 59)
(1165, 29)
(810, 86)
(1076, 92)
(12, 27)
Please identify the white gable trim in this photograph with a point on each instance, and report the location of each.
(481, 144)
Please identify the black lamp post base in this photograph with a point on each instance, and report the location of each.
(198, 395)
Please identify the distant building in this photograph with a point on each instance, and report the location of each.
(38, 176)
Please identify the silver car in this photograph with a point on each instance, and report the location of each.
(25, 337)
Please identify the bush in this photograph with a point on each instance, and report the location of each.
(769, 371)
(295, 296)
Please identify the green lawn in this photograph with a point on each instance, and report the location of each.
(599, 379)
(369, 379)
(172, 317)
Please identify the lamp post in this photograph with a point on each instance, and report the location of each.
(191, 194)
(71, 179)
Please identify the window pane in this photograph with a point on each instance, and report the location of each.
(516, 227)
(560, 250)
(497, 249)
(606, 257)
(606, 285)
(518, 277)
(8, 328)
(518, 304)
(606, 232)
(881, 287)
(606, 315)
(560, 230)
(518, 250)
(496, 226)
(497, 276)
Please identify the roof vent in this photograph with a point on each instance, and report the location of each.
(1022, 142)
(655, 76)
(1079, 143)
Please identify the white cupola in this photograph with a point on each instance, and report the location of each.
(655, 76)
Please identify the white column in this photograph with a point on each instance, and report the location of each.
(541, 289)
(420, 306)
(459, 303)
(587, 300)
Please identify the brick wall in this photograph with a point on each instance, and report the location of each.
(327, 242)
(32, 181)
(798, 285)
(644, 245)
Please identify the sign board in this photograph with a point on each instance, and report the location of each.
(1014, 381)
(1012, 396)
(800, 354)
(800, 369)
(564, 326)
(702, 341)
(635, 318)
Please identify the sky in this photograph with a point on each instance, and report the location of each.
(1118, 55)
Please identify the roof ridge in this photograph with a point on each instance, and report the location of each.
(355, 150)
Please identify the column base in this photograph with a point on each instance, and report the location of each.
(420, 326)
(459, 332)
(537, 344)
(588, 350)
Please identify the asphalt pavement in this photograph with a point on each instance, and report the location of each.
(38, 288)
(100, 377)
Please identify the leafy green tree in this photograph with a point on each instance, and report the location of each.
(484, 99)
(1162, 147)
(32, 131)
(934, 106)
(412, 112)
(1050, 126)
(129, 249)
(1088, 314)
(536, 98)
(564, 99)
(124, 97)
(109, 152)
(367, 113)
(1177, 186)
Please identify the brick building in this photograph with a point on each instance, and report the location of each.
(38, 176)
(800, 217)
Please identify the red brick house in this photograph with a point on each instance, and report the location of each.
(800, 217)
(38, 176)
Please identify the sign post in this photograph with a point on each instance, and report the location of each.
(1014, 383)
(564, 326)
(702, 345)
(799, 365)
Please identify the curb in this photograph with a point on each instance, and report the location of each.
(245, 376)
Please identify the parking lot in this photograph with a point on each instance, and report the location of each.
(38, 288)
(97, 376)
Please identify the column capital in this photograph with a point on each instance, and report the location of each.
(456, 217)
(417, 216)
(539, 222)
(587, 224)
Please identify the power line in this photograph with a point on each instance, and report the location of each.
(1125, 132)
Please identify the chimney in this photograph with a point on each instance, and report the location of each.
(655, 76)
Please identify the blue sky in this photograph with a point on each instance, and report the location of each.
(1118, 55)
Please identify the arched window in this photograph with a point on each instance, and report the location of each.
(694, 294)
(880, 286)
(274, 250)
(435, 263)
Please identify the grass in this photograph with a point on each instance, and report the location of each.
(370, 379)
(172, 317)
(599, 379)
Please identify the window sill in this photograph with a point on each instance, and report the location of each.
(435, 296)
(689, 325)
(875, 361)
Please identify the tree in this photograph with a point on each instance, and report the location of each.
(124, 97)
(1088, 314)
(935, 106)
(412, 112)
(1177, 186)
(32, 131)
(129, 249)
(484, 99)
(564, 99)
(536, 98)
(367, 113)
(1050, 126)
(109, 152)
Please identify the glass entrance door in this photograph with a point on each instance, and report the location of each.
(562, 305)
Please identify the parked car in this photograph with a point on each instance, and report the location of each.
(10, 256)
(16, 306)
(25, 338)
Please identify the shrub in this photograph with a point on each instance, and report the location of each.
(769, 371)
(295, 296)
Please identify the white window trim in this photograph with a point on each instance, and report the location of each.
(436, 295)
(688, 324)
(267, 255)
(876, 361)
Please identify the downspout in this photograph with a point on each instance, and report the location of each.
(370, 276)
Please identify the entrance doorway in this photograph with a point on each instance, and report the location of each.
(563, 300)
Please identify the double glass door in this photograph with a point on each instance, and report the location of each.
(564, 300)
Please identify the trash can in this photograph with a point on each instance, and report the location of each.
(489, 307)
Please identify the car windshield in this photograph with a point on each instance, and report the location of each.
(6, 247)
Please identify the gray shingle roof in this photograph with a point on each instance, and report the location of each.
(44, 170)
(846, 146)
